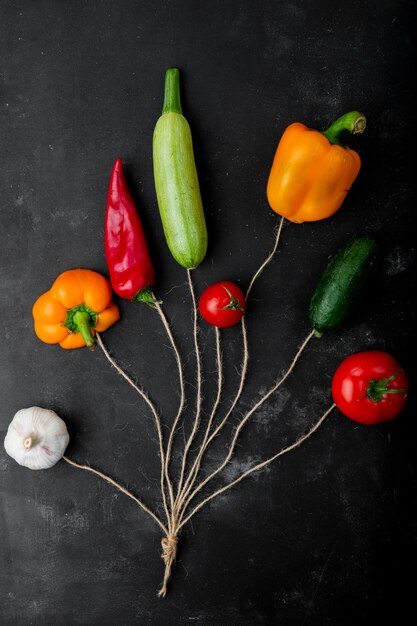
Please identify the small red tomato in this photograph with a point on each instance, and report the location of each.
(222, 304)
(370, 387)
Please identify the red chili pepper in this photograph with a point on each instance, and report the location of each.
(131, 271)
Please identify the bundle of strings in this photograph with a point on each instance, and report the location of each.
(177, 506)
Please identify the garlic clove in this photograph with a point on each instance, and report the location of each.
(36, 438)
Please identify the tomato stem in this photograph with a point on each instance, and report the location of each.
(234, 304)
(378, 388)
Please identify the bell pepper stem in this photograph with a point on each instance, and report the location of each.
(353, 122)
(172, 99)
(82, 321)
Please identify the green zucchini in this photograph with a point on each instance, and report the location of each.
(176, 180)
(341, 283)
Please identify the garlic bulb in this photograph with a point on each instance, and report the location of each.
(36, 438)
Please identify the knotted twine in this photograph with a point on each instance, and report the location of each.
(169, 552)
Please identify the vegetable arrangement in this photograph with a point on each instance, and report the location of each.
(309, 180)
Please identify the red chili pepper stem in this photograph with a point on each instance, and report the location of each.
(234, 304)
(353, 122)
(376, 389)
(147, 296)
(82, 320)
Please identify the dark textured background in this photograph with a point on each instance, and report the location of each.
(325, 535)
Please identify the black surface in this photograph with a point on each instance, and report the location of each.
(326, 534)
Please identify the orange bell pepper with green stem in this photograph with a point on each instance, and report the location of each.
(312, 171)
(78, 304)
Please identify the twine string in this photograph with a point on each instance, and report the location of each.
(199, 383)
(181, 405)
(151, 405)
(120, 487)
(247, 416)
(188, 485)
(257, 467)
(243, 373)
(245, 358)
(268, 258)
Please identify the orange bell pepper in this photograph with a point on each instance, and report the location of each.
(313, 171)
(78, 304)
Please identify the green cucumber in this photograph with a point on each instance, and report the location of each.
(176, 180)
(341, 283)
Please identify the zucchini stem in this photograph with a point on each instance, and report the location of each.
(172, 97)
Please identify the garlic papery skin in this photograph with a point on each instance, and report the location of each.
(36, 438)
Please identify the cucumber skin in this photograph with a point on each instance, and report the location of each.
(178, 191)
(341, 283)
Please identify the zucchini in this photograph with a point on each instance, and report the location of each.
(176, 180)
(341, 283)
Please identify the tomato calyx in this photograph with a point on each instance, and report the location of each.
(376, 389)
(234, 304)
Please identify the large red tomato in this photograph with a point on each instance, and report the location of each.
(222, 304)
(370, 387)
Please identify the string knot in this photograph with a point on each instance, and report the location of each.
(169, 547)
(169, 552)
